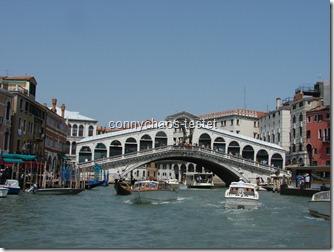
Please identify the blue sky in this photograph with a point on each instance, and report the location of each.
(133, 60)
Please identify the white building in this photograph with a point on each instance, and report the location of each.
(80, 126)
(275, 126)
(240, 121)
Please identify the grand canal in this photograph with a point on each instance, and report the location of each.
(100, 219)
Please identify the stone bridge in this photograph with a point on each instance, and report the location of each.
(228, 155)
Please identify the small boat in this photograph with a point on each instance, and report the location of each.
(320, 205)
(199, 180)
(3, 192)
(147, 191)
(93, 183)
(241, 195)
(13, 186)
(122, 187)
(54, 191)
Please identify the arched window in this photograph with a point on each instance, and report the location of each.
(300, 117)
(233, 148)
(115, 148)
(100, 151)
(204, 141)
(199, 168)
(81, 129)
(67, 147)
(90, 130)
(145, 142)
(74, 148)
(277, 160)
(219, 144)
(85, 154)
(248, 152)
(191, 168)
(69, 130)
(262, 157)
(294, 119)
(160, 139)
(8, 111)
(75, 130)
(130, 145)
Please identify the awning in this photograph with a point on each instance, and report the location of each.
(13, 160)
(19, 156)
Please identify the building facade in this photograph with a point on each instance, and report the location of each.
(275, 126)
(29, 116)
(78, 127)
(240, 121)
(5, 119)
(55, 139)
(318, 136)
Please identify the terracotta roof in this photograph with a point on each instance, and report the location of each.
(25, 77)
(241, 112)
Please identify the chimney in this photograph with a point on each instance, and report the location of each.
(54, 105)
(62, 110)
(278, 103)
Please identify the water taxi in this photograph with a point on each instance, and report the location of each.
(3, 192)
(146, 191)
(241, 195)
(13, 186)
(199, 180)
(320, 205)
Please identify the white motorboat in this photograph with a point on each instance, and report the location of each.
(241, 195)
(320, 205)
(147, 191)
(199, 180)
(3, 192)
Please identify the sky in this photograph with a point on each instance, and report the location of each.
(134, 60)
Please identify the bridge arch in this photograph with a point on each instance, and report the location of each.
(248, 152)
(262, 157)
(160, 139)
(130, 145)
(219, 144)
(233, 148)
(277, 160)
(145, 142)
(115, 148)
(100, 151)
(85, 154)
(204, 141)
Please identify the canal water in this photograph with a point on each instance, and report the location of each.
(197, 219)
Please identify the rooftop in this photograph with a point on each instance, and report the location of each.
(239, 112)
(73, 115)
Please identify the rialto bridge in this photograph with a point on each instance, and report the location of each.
(228, 155)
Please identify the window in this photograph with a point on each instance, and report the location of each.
(301, 104)
(231, 122)
(300, 131)
(328, 162)
(74, 148)
(238, 122)
(319, 118)
(327, 115)
(81, 129)
(278, 137)
(21, 104)
(300, 117)
(308, 134)
(300, 147)
(294, 119)
(144, 173)
(8, 111)
(221, 123)
(294, 148)
(294, 106)
(254, 124)
(319, 134)
(328, 151)
(315, 151)
(75, 130)
(26, 106)
(308, 119)
(294, 133)
(90, 130)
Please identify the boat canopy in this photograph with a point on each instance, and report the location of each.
(14, 157)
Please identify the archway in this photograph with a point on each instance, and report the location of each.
(219, 144)
(115, 148)
(160, 139)
(248, 152)
(191, 168)
(145, 142)
(85, 154)
(74, 148)
(277, 160)
(204, 141)
(233, 148)
(100, 151)
(262, 157)
(130, 145)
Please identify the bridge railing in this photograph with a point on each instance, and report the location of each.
(174, 147)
